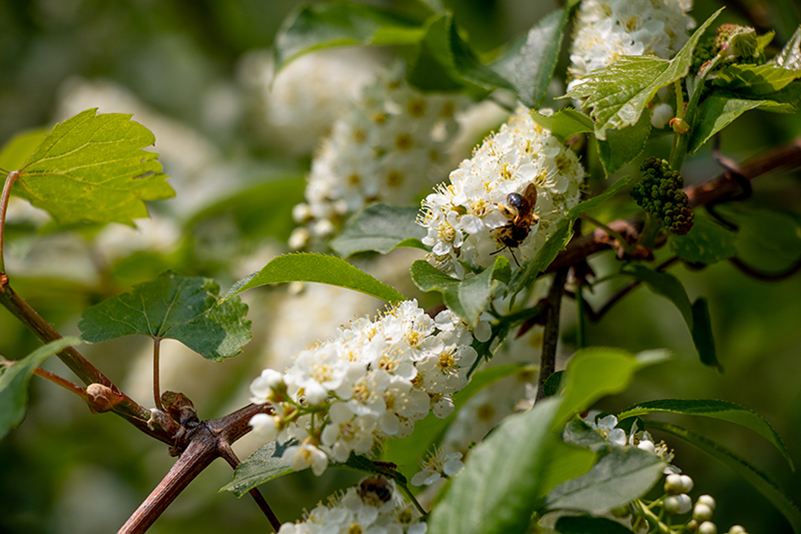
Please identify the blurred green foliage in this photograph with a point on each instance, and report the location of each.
(66, 470)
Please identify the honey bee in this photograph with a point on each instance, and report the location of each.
(519, 209)
(375, 490)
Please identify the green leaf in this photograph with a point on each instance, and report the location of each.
(445, 62)
(341, 24)
(262, 466)
(406, 453)
(707, 242)
(14, 379)
(497, 490)
(595, 372)
(533, 64)
(92, 168)
(717, 409)
(380, 228)
(578, 432)
(589, 525)
(176, 307)
(695, 315)
(619, 477)
(721, 109)
(622, 146)
(618, 94)
(565, 123)
(755, 80)
(790, 55)
(466, 298)
(552, 383)
(318, 268)
(757, 479)
(264, 210)
(19, 148)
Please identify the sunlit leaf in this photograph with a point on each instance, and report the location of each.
(618, 94)
(790, 55)
(20, 148)
(380, 228)
(498, 489)
(764, 485)
(755, 80)
(595, 372)
(716, 409)
(619, 477)
(176, 307)
(565, 123)
(466, 298)
(318, 268)
(92, 168)
(14, 379)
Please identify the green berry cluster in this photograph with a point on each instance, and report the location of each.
(660, 194)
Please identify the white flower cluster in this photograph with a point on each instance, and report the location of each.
(437, 466)
(386, 148)
(372, 507)
(607, 29)
(372, 381)
(463, 219)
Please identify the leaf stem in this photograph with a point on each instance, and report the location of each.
(156, 388)
(4, 198)
(406, 491)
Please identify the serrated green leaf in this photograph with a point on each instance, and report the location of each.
(618, 94)
(621, 146)
(589, 525)
(565, 123)
(379, 228)
(445, 62)
(755, 80)
(707, 242)
(176, 307)
(318, 268)
(264, 210)
(721, 109)
(20, 148)
(619, 477)
(595, 372)
(497, 490)
(92, 168)
(533, 63)
(14, 379)
(406, 453)
(334, 24)
(466, 298)
(717, 409)
(757, 479)
(695, 315)
(790, 55)
(262, 466)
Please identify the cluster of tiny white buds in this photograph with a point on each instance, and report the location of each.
(387, 147)
(374, 506)
(437, 466)
(676, 484)
(373, 380)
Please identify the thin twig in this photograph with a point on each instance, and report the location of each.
(228, 454)
(550, 336)
(156, 387)
(4, 198)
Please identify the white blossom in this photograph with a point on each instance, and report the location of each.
(608, 29)
(463, 219)
(386, 147)
(373, 380)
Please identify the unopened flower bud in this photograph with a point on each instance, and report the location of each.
(737, 529)
(707, 527)
(702, 512)
(707, 500)
(678, 504)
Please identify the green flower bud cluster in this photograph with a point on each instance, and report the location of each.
(659, 193)
(737, 43)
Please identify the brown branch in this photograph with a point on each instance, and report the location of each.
(201, 445)
(724, 184)
(550, 336)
